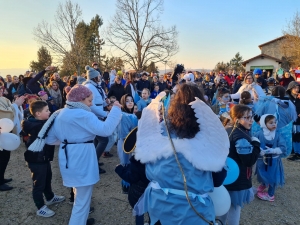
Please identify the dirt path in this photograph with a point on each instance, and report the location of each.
(111, 206)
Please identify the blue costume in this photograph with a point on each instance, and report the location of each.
(285, 113)
(128, 122)
(269, 167)
(271, 174)
(165, 198)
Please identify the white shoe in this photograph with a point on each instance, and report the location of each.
(55, 199)
(146, 223)
(45, 212)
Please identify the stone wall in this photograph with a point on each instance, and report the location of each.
(272, 49)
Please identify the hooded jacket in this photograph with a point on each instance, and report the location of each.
(296, 101)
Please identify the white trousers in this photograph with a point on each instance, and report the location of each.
(82, 203)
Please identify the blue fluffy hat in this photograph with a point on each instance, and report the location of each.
(257, 71)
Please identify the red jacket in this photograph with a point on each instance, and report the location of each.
(230, 79)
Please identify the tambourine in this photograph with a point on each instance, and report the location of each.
(130, 141)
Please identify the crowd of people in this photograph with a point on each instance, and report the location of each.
(169, 171)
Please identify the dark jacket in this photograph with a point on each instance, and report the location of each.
(13, 88)
(61, 85)
(162, 86)
(244, 161)
(33, 85)
(116, 90)
(284, 82)
(262, 81)
(296, 101)
(141, 84)
(135, 174)
(236, 85)
(106, 76)
(31, 128)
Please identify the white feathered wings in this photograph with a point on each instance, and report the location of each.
(206, 151)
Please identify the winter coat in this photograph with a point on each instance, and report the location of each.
(116, 90)
(244, 152)
(135, 174)
(31, 127)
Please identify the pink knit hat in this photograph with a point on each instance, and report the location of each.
(78, 93)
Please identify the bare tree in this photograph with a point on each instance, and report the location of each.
(135, 31)
(60, 37)
(290, 45)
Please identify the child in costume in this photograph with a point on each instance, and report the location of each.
(145, 100)
(189, 121)
(244, 150)
(269, 167)
(221, 106)
(247, 100)
(128, 122)
(39, 162)
(155, 92)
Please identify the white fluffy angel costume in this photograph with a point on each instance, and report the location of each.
(164, 198)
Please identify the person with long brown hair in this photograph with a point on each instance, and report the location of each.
(190, 143)
(55, 93)
(128, 122)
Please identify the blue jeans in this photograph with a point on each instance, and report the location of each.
(100, 145)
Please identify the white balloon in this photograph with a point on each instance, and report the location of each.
(6, 125)
(9, 141)
(221, 200)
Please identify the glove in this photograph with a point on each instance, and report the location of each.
(255, 139)
(274, 151)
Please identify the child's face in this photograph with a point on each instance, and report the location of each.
(272, 124)
(44, 114)
(145, 95)
(156, 88)
(129, 102)
(295, 90)
(44, 97)
(225, 98)
(135, 109)
(246, 120)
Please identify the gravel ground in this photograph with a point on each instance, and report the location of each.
(111, 206)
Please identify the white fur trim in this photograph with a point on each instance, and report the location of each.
(207, 151)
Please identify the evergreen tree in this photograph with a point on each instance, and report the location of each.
(152, 68)
(44, 60)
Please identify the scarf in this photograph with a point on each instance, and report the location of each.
(56, 95)
(98, 87)
(40, 142)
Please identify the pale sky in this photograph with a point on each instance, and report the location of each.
(209, 31)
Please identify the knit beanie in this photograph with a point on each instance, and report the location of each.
(91, 72)
(78, 93)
